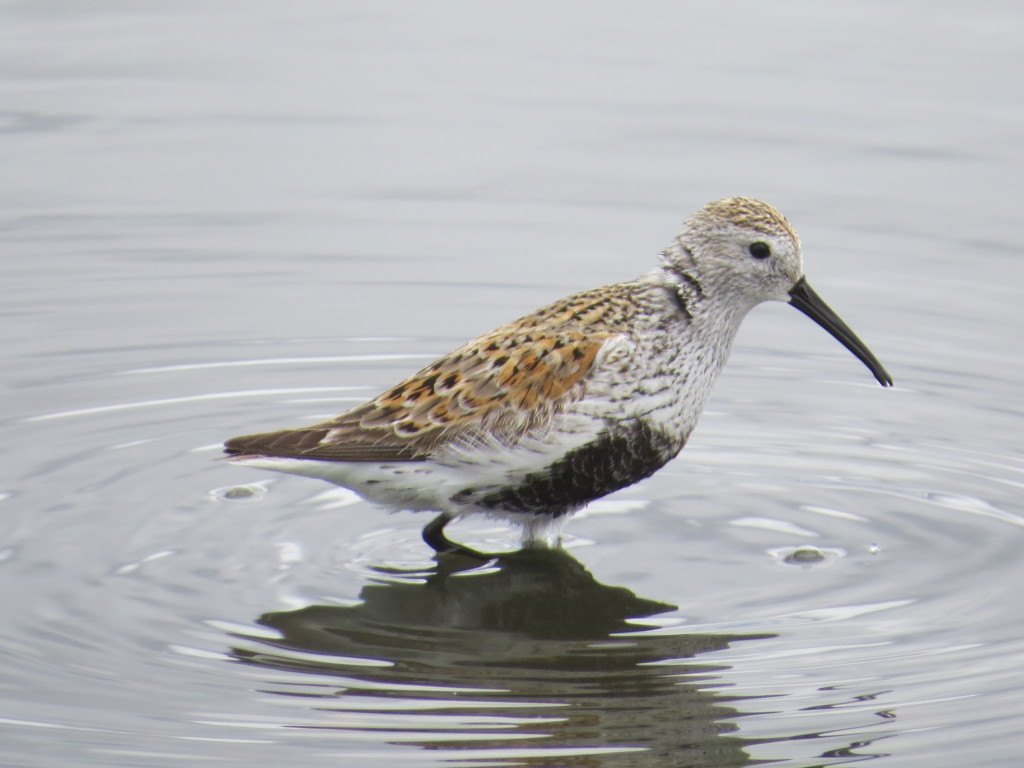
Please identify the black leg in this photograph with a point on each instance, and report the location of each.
(433, 534)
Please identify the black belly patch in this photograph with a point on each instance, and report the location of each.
(621, 456)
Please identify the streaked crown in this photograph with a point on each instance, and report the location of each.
(743, 213)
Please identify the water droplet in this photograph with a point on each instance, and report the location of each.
(252, 492)
(805, 556)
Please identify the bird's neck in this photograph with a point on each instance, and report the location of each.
(691, 351)
(713, 312)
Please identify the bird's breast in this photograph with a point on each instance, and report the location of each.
(618, 456)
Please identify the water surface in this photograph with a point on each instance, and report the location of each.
(220, 220)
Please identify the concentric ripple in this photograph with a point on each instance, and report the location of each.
(755, 600)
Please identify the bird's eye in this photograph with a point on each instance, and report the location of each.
(760, 250)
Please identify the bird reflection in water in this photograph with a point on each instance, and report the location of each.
(530, 661)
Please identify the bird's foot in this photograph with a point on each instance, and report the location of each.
(433, 534)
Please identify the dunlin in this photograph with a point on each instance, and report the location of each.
(535, 419)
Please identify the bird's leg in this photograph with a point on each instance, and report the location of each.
(433, 534)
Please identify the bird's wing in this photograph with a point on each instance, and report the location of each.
(503, 386)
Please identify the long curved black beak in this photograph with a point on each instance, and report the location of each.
(803, 297)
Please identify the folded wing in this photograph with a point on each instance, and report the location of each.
(503, 386)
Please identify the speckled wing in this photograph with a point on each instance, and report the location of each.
(502, 386)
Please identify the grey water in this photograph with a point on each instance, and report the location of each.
(221, 218)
